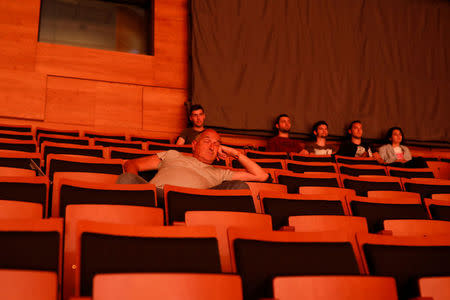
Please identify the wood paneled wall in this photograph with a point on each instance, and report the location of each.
(72, 87)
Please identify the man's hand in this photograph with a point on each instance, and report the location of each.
(225, 152)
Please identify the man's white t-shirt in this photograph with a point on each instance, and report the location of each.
(187, 171)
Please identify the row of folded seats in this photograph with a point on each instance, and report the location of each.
(130, 251)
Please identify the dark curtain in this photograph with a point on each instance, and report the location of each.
(383, 62)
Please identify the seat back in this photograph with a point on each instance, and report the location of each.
(24, 136)
(437, 288)
(414, 257)
(118, 143)
(438, 209)
(179, 200)
(164, 147)
(312, 158)
(105, 135)
(258, 256)
(295, 181)
(21, 284)
(410, 173)
(68, 163)
(123, 248)
(257, 187)
(269, 155)
(167, 286)
(392, 194)
(417, 227)
(328, 223)
(426, 187)
(15, 127)
(18, 172)
(62, 139)
(48, 148)
(357, 170)
(262, 162)
(223, 220)
(115, 152)
(114, 214)
(308, 190)
(302, 167)
(21, 160)
(20, 210)
(52, 131)
(355, 160)
(362, 185)
(281, 206)
(334, 287)
(27, 189)
(18, 145)
(376, 210)
(70, 192)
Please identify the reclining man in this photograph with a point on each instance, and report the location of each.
(194, 171)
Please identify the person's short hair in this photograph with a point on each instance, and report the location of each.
(277, 121)
(195, 107)
(389, 134)
(353, 122)
(317, 124)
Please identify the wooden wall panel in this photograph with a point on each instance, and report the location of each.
(93, 103)
(22, 94)
(164, 109)
(18, 34)
(168, 67)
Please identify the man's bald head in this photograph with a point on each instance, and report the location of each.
(206, 145)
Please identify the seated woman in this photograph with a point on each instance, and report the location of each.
(395, 154)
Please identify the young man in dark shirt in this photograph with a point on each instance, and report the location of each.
(355, 146)
(281, 142)
(320, 147)
(197, 118)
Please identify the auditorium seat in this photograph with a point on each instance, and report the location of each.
(441, 197)
(223, 220)
(71, 192)
(376, 210)
(141, 138)
(269, 155)
(405, 258)
(72, 163)
(417, 227)
(441, 169)
(437, 288)
(358, 170)
(426, 187)
(410, 173)
(104, 135)
(15, 127)
(392, 194)
(312, 158)
(258, 256)
(18, 145)
(294, 181)
(32, 245)
(257, 187)
(164, 147)
(281, 206)
(118, 144)
(23, 136)
(104, 213)
(334, 287)
(62, 139)
(18, 172)
(167, 286)
(27, 189)
(328, 223)
(362, 185)
(124, 248)
(15, 159)
(355, 160)
(179, 200)
(438, 209)
(52, 131)
(20, 210)
(48, 148)
(28, 284)
(114, 152)
(308, 190)
(303, 167)
(262, 162)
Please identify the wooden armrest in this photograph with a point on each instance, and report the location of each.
(287, 228)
